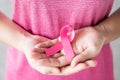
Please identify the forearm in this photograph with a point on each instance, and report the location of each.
(110, 27)
(11, 33)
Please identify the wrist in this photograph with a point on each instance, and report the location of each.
(23, 40)
(103, 31)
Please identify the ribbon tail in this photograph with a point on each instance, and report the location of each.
(67, 48)
(54, 49)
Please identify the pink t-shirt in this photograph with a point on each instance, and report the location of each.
(45, 18)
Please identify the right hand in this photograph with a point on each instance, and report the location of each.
(34, 54)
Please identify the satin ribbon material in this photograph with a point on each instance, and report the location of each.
(67, 35)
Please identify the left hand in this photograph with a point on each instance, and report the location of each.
(87, 44)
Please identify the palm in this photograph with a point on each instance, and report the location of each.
(35, 54)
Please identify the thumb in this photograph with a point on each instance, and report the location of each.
(47, 44)
(82, 57)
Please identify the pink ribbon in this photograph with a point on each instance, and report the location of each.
(67, 35)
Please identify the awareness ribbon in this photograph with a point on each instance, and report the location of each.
(67, 35)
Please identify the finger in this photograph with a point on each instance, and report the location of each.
(56, 55)
(37, 55)
(40, 50)
(60, 53)
(71, 70)
(39, 39)
(46, 44)
(79, 67)
(77, 50)
(48, 70)
(54, 62)
(87, 54)
(91, 63)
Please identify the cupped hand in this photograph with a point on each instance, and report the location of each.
(34, 54)
(87, 44)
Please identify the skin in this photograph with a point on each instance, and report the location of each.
(28, 44)
(86, 45)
